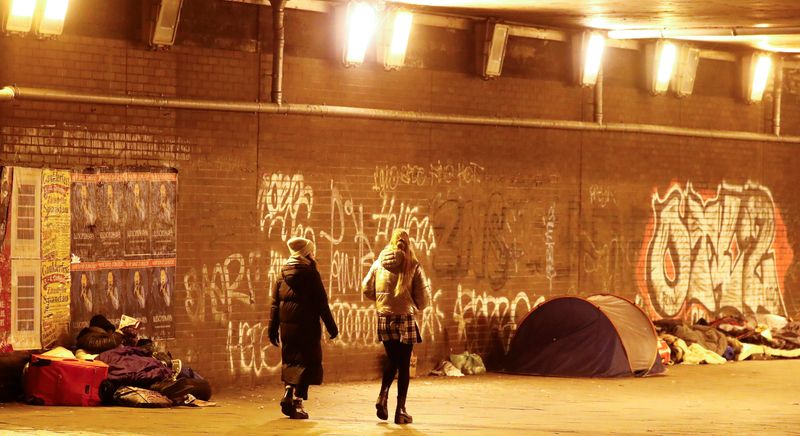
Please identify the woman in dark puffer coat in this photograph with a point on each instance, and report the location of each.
(299, 301)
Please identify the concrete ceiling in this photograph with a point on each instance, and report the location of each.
(766, 24)
(772, 25)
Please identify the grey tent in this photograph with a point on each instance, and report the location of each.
(598, 336)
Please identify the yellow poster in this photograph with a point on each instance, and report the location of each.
(55, 300)
(55, 254)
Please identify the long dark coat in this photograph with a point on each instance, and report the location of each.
(299, 301)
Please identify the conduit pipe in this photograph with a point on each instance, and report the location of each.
(777, 97)
(279, 41)
(42, 94)
(598, 97)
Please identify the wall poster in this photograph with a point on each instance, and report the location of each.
(124, 248)
(5, 258)
(55, 247)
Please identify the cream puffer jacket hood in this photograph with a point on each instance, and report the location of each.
(381, 280)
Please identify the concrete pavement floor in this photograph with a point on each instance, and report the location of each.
(752, 397)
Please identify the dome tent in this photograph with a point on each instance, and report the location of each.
(598, 336)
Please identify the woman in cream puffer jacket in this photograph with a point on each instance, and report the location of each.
(397, 283)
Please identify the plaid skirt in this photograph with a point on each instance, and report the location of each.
(401, 328)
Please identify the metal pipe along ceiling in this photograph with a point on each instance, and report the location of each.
(41, 94)
(777, 93)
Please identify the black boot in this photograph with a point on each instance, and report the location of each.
(400, 414)
(286, 402)
(297, 410)
(381, 404)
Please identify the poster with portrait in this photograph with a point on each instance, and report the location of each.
(162, 211)
(110, 218)
(83, 218)
(128, 265)
(136, 293)
(137, 217)
(161, 300)
(109, 298)
(83, 284)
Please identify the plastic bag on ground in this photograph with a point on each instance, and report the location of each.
(446, 368)
(468, 363)
(131, 396)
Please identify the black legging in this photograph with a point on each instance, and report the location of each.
(300, 391)
(399, 362)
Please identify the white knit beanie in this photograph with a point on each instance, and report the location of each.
(300, 247)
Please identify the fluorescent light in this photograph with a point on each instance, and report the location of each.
(163, 26)
(20, 17)
(52, 22)
(685, 70)
(760, 75)
(361, 23)
(55, 9)
(401, 30)
(494, 50)
(593, 58)
(667, 52)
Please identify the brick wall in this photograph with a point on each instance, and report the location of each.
(502, 217)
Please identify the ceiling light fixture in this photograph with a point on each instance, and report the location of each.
(755, 75)
(495, 39)
(20, 16)
(52, 22)
(163, 24)
(587, 49)
(362, 20)
(685, 70)
(661, 57)
(398, 31)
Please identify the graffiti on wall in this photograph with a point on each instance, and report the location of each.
(284, 205)
(347, 229)
(494, 236)
(508, 235)
(713, 252)
(476, 314)
(387, 178)
(69, 138)
(217, 287)
(549, 222)
(394, 215)
(607, 263)
(249, 349)
(601, 196)
(609, 245)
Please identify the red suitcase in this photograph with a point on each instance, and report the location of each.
(58, 381)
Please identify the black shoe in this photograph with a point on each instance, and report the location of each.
(297, 410)
(381, 405)
(400, 414)
(286, 402)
